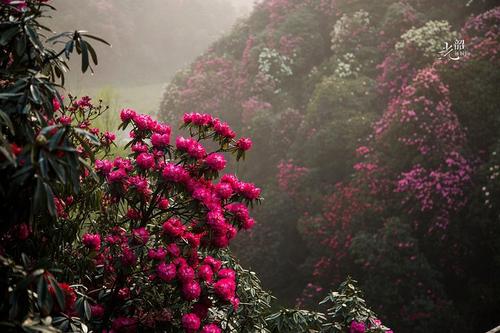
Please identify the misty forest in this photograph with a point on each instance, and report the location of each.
(268, 166)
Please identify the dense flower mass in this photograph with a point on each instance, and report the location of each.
(172, 240)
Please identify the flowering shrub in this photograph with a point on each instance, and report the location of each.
(197, 89)
(347, 66)
(274, 66)
(425, 41)
(349, 30)
(289, 176)
(483, 35)
(162, 214)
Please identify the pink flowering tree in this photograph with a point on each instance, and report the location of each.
(164, 218)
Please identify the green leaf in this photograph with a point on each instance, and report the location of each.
(88, 311)
(43, 164)
(21, 45)
(8, 95)
(96, 38)
(68, 48)
(7, 35)
(93, 54)
(85, 56)
(44, 298)
(33, 37)
(35, 93)
(58, 292)
(51, 206)
(59, 170)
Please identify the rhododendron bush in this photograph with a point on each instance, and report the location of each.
(162, 214)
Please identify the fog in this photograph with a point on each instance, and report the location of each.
(150, 41)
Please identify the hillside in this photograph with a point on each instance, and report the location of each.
(377, 151)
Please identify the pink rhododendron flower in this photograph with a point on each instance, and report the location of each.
(133, 214)
(139, 147)
(244, 144)
(84, 102)
(23, 231)
(215, 161)
(117, 176)
(123, 294)
(205, 273)
(357, 327)
(163, 203)
(141, 234)
(65, 120)
(160, 140)
(173, 249)
(145, 161)
(191, 146)
(92, 241)
(224, 190)
(191, 290)
(109, 137)
(191, 322)
(185, 273)
(249, 190)
(223, 129)
(174, 173)
(144, 122)
(248, 223)
(56, 104)
(226, 273)
(198, 119)
(174, 227)
(157, 254)
(363, 150)
(128, 257)
(225, 288)
(215, 263)
(211, 328)
(166, 272)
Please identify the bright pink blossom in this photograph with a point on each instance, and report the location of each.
(215, 161)
(174, 227)
(244, 144)
(357, 327)
(185, 273)
(127, 115)
(160, 140)
(205, 273)
(166, 272)
(145, 161)
(191, 322)
(191, 290)
(211, 328)
(157, 254)
(92, 241)
(225, 288)
(174, 173)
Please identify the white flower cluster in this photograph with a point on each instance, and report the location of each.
(428, 39)
(347, 66)
(274, 65)
(346, 25)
